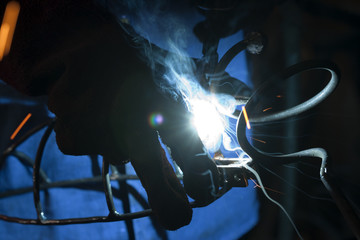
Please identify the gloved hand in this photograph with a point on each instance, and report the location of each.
(102, 95)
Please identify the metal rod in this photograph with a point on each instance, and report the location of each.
(343, 204)
(67, 221)
(27, 161)
(36, 173)
(22, 139)
(67, 183)
(124, 196)
(107, 189)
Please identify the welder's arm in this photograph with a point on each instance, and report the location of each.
(100, 91)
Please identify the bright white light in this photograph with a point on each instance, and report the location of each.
(208, 123)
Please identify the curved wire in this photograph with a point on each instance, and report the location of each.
(312, 102)
(236, 49)
(272, 200)
(313, 153)
(270, 159)
(36, 172)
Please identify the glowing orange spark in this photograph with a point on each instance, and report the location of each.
(270, 189)
(20, 126)
(267, 109)
(279, 96)
(246, 118)
(258, 140)
(8, 27)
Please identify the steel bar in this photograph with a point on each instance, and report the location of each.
(23, 138)
(67, 183)
(107, 189)
(36, 172)
(119, 217)
(343, 204)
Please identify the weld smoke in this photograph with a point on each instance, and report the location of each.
(174, 71)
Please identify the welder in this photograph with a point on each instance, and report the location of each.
(102, 94)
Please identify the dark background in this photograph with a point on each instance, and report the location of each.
(297, 31)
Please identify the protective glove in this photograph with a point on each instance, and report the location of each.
(103, 95)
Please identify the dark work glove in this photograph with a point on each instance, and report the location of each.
(103, 96)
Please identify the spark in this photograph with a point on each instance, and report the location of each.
(8, 27)
(279, 96)
(272, 200)
(258, 140)
(20, 126)
(267, 109)
(270, 189)
(246, 118)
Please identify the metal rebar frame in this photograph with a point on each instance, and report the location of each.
(42, 182)
(39, 174)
